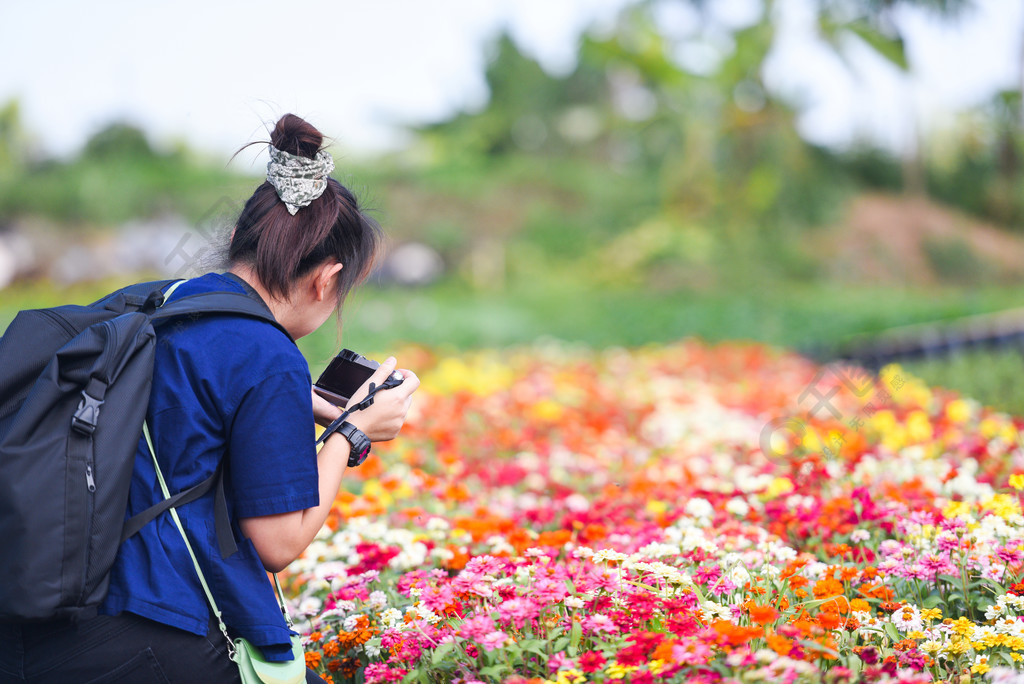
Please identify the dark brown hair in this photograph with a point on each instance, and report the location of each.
(282, 248)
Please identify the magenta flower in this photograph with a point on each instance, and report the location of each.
(494, 640)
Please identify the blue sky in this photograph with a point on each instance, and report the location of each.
(212, 73)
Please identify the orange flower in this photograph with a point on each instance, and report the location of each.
(332, 648)
(779, 644)
(829, 620)
(848, 574)
(762, 615)
(312, 660)
(736, 635)
(797, 581)
(664, 651)
(860, 604)
(827, 587)
(904, 645)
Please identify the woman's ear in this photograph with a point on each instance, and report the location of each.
(324, 278)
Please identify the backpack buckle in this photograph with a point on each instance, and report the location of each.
(84, 420)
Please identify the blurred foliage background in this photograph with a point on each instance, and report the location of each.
(630, 201)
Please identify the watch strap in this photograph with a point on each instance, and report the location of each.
(359, 442)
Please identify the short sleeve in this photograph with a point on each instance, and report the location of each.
(271, 452)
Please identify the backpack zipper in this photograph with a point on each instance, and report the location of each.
(90, 482)
(59, 320)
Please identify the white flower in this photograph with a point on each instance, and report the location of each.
(378, 599)
(994, 611)
(737, 506)
(372, 647)
(739, 575)
(859, 535)
(907, 619)
(390, 617)
(310, 605)
(573, 602)
(436, 524)
(583, 552)
(609, 555)
(699, 508)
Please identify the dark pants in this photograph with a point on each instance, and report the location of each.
(123, 648)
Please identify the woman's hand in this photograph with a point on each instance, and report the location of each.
(324, 412)
(383, 419)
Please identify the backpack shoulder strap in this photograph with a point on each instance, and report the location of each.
(218, 302)
(133, 297)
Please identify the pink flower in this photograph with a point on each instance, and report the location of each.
(549, 591)
(379, 673)
(517, 611)
(599, 624)
(560, 661)
(476, 627)
(706, 573)
(494, 640)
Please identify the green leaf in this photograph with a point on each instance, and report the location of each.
(441, 652)
(892, 49)
(535, 646)
(855, 664)
(560, 644)
(949, 579)
(492, 671)
(891, 632)
(574, 638)
(931, 601)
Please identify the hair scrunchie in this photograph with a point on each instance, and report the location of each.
(298, 180)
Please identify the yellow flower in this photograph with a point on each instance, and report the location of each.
(1003, 505)
(958, 411)
(546, 410)
(655, 507)
(1017, 481)
(957, 647)
(657, 666)
(931, 613)
(981, 666)
(919, 428)
(916, 634)
(957, 509)
(963, 627)
(570, 677)
(616, 671)
(930, 646)
(778, 487)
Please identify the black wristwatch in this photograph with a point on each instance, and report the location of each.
(359, 441)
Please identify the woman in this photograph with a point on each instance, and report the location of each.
(234, 389)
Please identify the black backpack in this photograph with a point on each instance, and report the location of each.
(74, 389)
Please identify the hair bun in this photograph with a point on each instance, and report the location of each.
(295, 135)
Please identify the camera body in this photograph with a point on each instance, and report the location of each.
(343, 376)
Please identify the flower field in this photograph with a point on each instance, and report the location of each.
(684, 513)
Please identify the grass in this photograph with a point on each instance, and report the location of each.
(808, 318)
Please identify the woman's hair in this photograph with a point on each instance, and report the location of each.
(282, 248)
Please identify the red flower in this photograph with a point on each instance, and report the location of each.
(591, 661)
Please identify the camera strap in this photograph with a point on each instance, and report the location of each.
(366, 402)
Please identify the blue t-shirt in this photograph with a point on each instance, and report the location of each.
(232, 387)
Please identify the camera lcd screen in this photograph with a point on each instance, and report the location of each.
(344, 375)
